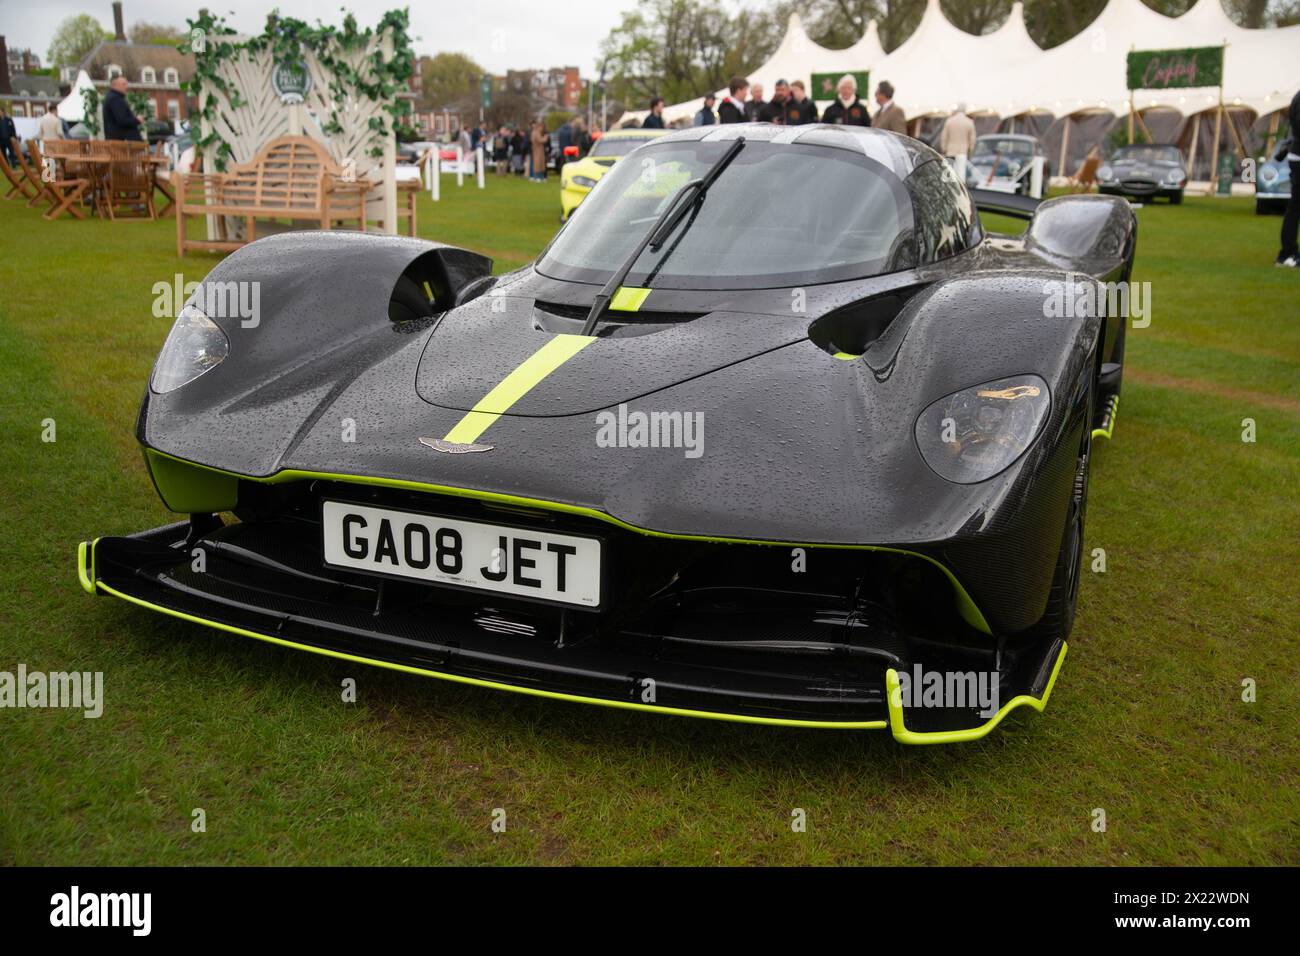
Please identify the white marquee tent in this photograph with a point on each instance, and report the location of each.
(73, 107)
(1004, 74)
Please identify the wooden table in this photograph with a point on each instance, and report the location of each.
(99, 169)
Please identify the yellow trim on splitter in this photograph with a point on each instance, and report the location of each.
(894, 697)
(516, 385)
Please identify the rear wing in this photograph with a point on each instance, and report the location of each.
(1005, 204)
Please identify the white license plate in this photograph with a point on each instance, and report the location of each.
(469, 554)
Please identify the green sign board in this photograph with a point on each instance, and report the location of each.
(823, 84)
(485, 91)
(291, 81)
(1175, 69)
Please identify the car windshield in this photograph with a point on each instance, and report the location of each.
(1007, 148)
(1147, 154)
(617, 145)
(778, 215)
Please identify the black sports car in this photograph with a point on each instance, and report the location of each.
(1144, 172)
(772, 431)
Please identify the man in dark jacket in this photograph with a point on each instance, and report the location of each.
(7, 133)
(656, 118)
(847, 110)
(775, 111)
(732, 107)
(801, 109)
(755, 106)
(706, 116)
(119, 121)
(1290, 254)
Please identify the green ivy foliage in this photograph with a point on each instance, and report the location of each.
(287, 38)
(90, 106)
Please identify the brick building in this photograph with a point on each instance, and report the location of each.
(157, 70)
(23, 92)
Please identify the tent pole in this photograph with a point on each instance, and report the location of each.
(1272, 132)
(1065, 145)
(1214, 151)
(1130, 117)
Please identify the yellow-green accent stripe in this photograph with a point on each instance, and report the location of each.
(846, 356)
(494, 685)
(516, 385)
(86, 565)
(629, 299)
(966, 606)
(894, 696)
(1110, 427)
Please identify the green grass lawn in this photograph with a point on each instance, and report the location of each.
(1200, 531)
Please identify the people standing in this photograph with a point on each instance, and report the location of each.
(50, 127)
(801, 110)
(501, 150)
(847, 110)
(732, 107)
(705, 116)
(119, 121)
(539, 140)
(520, 147)
(775, 111)
(958, 135)
(889, 116)
(755, 106)
(1290, 254)
(656, 118)
(8, 133)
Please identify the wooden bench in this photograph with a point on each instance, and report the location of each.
(293, 177)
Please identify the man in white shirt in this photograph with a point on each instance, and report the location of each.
(958, 136)
(50, 127)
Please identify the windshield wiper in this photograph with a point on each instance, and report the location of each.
(663, 227)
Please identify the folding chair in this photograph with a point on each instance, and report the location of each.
(19, 187)
(130, 180)
(32, 174)
(63, 192)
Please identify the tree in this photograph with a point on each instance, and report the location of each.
(449, 80)
(145, 32)
(73, 39)
(681, 49)
(510, 107)
(840, 23)
(976, 16)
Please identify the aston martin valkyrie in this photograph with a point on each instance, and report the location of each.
(775, 431)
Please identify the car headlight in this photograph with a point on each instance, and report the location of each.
(194, 345)
(1268, 175)
(1106, 174)
(586, 181)
(973, 434)
(1174, 176)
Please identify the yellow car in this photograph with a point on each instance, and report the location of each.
(579, 177)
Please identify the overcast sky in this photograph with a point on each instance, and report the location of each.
(499, 34)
